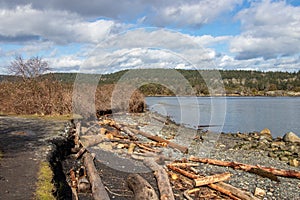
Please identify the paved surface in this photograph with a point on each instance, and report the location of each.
(21, 141)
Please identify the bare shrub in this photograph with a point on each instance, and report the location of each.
(31, 97)
(50, 97)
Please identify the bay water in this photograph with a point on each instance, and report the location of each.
(232, 114)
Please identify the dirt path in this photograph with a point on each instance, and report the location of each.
(20, 144)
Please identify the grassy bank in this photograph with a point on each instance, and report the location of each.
(44, 185)
(53, 98)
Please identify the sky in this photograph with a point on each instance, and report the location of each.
(104, 36)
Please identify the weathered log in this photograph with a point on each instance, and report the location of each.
(237, 192)
(141, 188)
(98, 190)
(248, 168)
(175, 177)
(148, 148)
(190, 191)
(183, 172)
(184, 164)
(80, 152)
(264, 173)
(224, 191)
(159, 139)
(162, 178)
(117, 134)
(128, 132)
(211, 179)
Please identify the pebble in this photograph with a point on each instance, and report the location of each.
(259, 192)
(294, 162)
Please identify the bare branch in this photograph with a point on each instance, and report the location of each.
(31, 68)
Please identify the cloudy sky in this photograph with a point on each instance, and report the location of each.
(109, 35)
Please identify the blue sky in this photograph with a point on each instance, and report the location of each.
(106, 36)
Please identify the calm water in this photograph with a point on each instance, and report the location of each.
(232, 114)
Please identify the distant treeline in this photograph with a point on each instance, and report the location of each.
(235, 82)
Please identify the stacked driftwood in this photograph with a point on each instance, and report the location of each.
(171, 175)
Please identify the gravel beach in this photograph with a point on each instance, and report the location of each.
(249, 148)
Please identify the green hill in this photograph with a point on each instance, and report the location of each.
(244, 83)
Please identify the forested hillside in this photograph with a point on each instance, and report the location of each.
(244, 83)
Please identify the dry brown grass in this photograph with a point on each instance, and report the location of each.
(48, 97)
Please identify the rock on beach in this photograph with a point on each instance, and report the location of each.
(291, 137)
(266, 131)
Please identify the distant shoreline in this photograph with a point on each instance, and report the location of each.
(228, 95)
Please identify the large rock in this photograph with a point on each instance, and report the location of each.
(266, 132)
(291, 137)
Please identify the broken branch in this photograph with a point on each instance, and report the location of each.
(211, 179)
(161, 140)
(248, 168)
(183, 172)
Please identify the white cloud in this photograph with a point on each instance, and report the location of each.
(154, 12)
(270, 29)
(150, 48)
(66, 63)
(27, 23)
(192, 13)
(290, 64)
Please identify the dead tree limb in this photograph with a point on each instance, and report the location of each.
(211, 179)
(162, 178)
(129, 133)
(183, 172)
(141, 188)
(248, 168)
(224, 191)
(80, 152)
(184, 164)
(237, 192)
(98, 190)
(173, 145)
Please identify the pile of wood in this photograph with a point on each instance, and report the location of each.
(183, 176)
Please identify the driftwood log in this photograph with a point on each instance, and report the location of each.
(211, 179)
(248, 168)
(173, 145)
(166, 192)
(237, 192)
(141, 188)
(183, 172)
(224, 191)
(98, 190)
